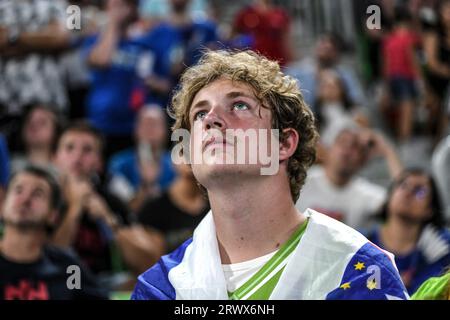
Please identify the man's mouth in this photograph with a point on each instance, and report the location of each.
(215, 141)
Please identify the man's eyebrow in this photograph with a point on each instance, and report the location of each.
(236, 94)
(201, 103)
(229, 95)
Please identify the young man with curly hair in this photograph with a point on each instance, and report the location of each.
(254, 244)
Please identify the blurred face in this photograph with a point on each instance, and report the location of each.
(151, 127)
(411, 199)
(346, 155)
(78, 154)
(330, 87)
(179, 5)
(124, 10)
(326, 52)
(27, 202)
(220, 106)
(39, 128)
(445, 13)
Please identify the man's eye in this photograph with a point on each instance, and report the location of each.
(240, 106)
(199, 115)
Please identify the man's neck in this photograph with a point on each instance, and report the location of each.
(254, 219)
(400, 237)
(22, 246)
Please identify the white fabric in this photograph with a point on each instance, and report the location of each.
(237, 274)
(351, 204)
(315, 267)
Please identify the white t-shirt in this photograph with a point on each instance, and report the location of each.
(352, 204)
(239, 273)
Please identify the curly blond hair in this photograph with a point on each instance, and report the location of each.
(272, 88)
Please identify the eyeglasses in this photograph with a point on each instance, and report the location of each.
(419, 191)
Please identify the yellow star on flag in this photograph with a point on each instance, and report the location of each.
(359, 266)
(372, 284)
(345, 286)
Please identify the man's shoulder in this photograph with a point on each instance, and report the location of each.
(331, 234)
(369, 271)
(333, 231)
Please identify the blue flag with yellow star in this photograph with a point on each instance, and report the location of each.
(370, 275)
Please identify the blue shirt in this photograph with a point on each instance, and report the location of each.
(125, 163)
(4, 162)
(118, 90)
(188, 41)
(429, 259)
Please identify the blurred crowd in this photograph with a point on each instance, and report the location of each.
(86, 174)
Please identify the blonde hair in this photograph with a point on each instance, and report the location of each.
(272, 88)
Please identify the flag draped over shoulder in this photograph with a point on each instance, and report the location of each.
(332, 261)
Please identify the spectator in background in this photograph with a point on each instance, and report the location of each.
(96, 224)
(327, 56)
(402, 72)
(73, 62)
(178, 211)
(440, 167)
(269, 27)
(32, 36)
(40, 130)
(413, 228)
(145, 170)
(437, 68)
(182, 38)
(119, 62)
(336, 190)
(31, 269)
(334, 108)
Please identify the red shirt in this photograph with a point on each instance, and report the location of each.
(268, 29)
(398, 49)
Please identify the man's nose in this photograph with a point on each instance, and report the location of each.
(214, 119)
(25, 197)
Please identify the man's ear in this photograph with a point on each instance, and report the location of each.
(290, 143)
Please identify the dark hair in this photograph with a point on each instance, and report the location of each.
(335, 39)
(437, 218)
(84, 127)
(347, 101)
(56, 196)
(402, 15)
(58, 121)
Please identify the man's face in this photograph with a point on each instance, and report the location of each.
(220, 106)
(27, 201)
(179, 5)
(326, 52)
(346, 155)
(78, 154)
(39, 128)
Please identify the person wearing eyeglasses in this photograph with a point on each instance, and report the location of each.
(413, 228)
